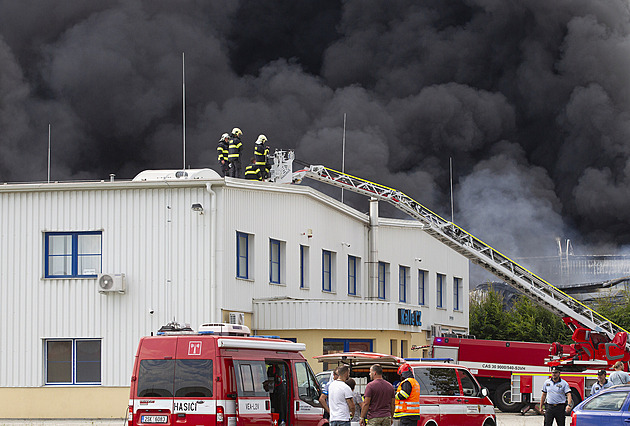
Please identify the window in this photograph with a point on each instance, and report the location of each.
(382, 280)
(352, 275)
(440, 288)
(328, 271)
(242, 255)
(308, 390)
(73, 254)
(275, 261)
(437, 381)
(304, 266)
(73, 361)
(403, 271)
(186, 378)
(469, 385)
(421, 286)
(611, 401)
(250, 376)
(344, 345)
(457, 286)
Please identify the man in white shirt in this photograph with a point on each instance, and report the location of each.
(340, 399)
(619, 377)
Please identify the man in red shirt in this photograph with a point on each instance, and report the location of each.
(379, 402)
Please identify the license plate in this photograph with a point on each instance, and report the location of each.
(153, 419)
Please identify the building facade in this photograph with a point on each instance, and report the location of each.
(286, 260)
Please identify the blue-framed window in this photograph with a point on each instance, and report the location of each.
(326, 270)
(274, 261)
(352, 275)
(457, 286)
(73, 254)
(403, 272)
(439, 290)
(73, 361)
(382, 280)
(242, 255)
(422, 275)
(304, 266)
(345, 345)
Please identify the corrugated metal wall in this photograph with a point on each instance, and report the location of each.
(151, 235)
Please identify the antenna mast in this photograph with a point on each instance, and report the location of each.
(343, 151)
(48, 152)
(184, 109)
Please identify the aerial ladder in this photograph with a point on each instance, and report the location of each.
(599, 342)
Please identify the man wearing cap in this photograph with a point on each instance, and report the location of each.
(601, 383)
(557, 393)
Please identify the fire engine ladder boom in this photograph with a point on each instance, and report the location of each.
(474, 249)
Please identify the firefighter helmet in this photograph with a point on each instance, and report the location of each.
(225, 137)
(404, 368)
(261, 139)
(237, 132)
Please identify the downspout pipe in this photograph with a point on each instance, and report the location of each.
(213, 254)
(373, 251)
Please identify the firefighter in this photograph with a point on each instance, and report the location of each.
(235, 146)
(222, 154)
(261, 151)
(252, 171)
(407, 398)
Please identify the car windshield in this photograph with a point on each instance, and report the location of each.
(610, 401)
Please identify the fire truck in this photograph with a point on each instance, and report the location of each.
(598, 342)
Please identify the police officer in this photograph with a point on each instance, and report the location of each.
(222, 153)
(407, 398)
(235, 147)
(557, 393)
(601, 383)
(260, 153)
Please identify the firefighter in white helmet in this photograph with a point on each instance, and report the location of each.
(235, 146)
(222, 153)
(261, 151)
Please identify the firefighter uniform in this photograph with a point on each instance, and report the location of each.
(234, 152)
(222, 154)
(252, 172)
(260, 154)
(408, 402)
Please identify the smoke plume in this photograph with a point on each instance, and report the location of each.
(529, 98)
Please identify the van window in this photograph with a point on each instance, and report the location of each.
(250, 376)
(307, 384)
(469, 385)
(193, 378)
(155, 378)
(168, 377)
(437, 381)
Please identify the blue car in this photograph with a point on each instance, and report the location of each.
(610, 407)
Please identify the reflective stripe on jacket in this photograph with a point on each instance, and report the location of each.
(409, 406)
(234, 148)
(260, 154)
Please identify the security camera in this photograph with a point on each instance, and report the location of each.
(151, 311)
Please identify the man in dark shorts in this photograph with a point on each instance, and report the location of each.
(379, 402)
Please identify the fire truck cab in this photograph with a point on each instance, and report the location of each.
(221, 376)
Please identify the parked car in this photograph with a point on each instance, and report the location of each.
(449, 393)
(610, 407)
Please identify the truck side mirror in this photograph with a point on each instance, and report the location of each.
(484, 392)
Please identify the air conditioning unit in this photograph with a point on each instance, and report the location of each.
(108, 283)
(237, 318)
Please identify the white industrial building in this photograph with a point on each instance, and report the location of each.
(285, 259)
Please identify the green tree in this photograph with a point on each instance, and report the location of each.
(487, 318)
(615, 307)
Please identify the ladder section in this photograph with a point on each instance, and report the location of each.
(473, 249)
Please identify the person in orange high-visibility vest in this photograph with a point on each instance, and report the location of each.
(407, 398)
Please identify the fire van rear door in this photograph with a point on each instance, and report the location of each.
(253, 405)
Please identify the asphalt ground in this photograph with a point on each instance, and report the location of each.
(503, 419)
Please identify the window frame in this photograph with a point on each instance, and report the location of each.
(327, 273)
(402, 283)
(439, 291)
(304, 257)
(73, 361)
(74, 254)
(239, 256)
(382, 281)
(352, 275)
(275, 244)
(457, 283)
(422, 281)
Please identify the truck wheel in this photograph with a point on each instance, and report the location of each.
(503, 399)
(575, 398)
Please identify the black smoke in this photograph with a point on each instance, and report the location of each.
(530, 99)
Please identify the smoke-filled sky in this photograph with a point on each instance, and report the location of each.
(530, 98)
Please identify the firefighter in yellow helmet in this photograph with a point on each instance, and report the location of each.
(407, 398)
(261, 151)
(235, 146)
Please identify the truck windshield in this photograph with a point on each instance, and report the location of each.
(184, 378)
